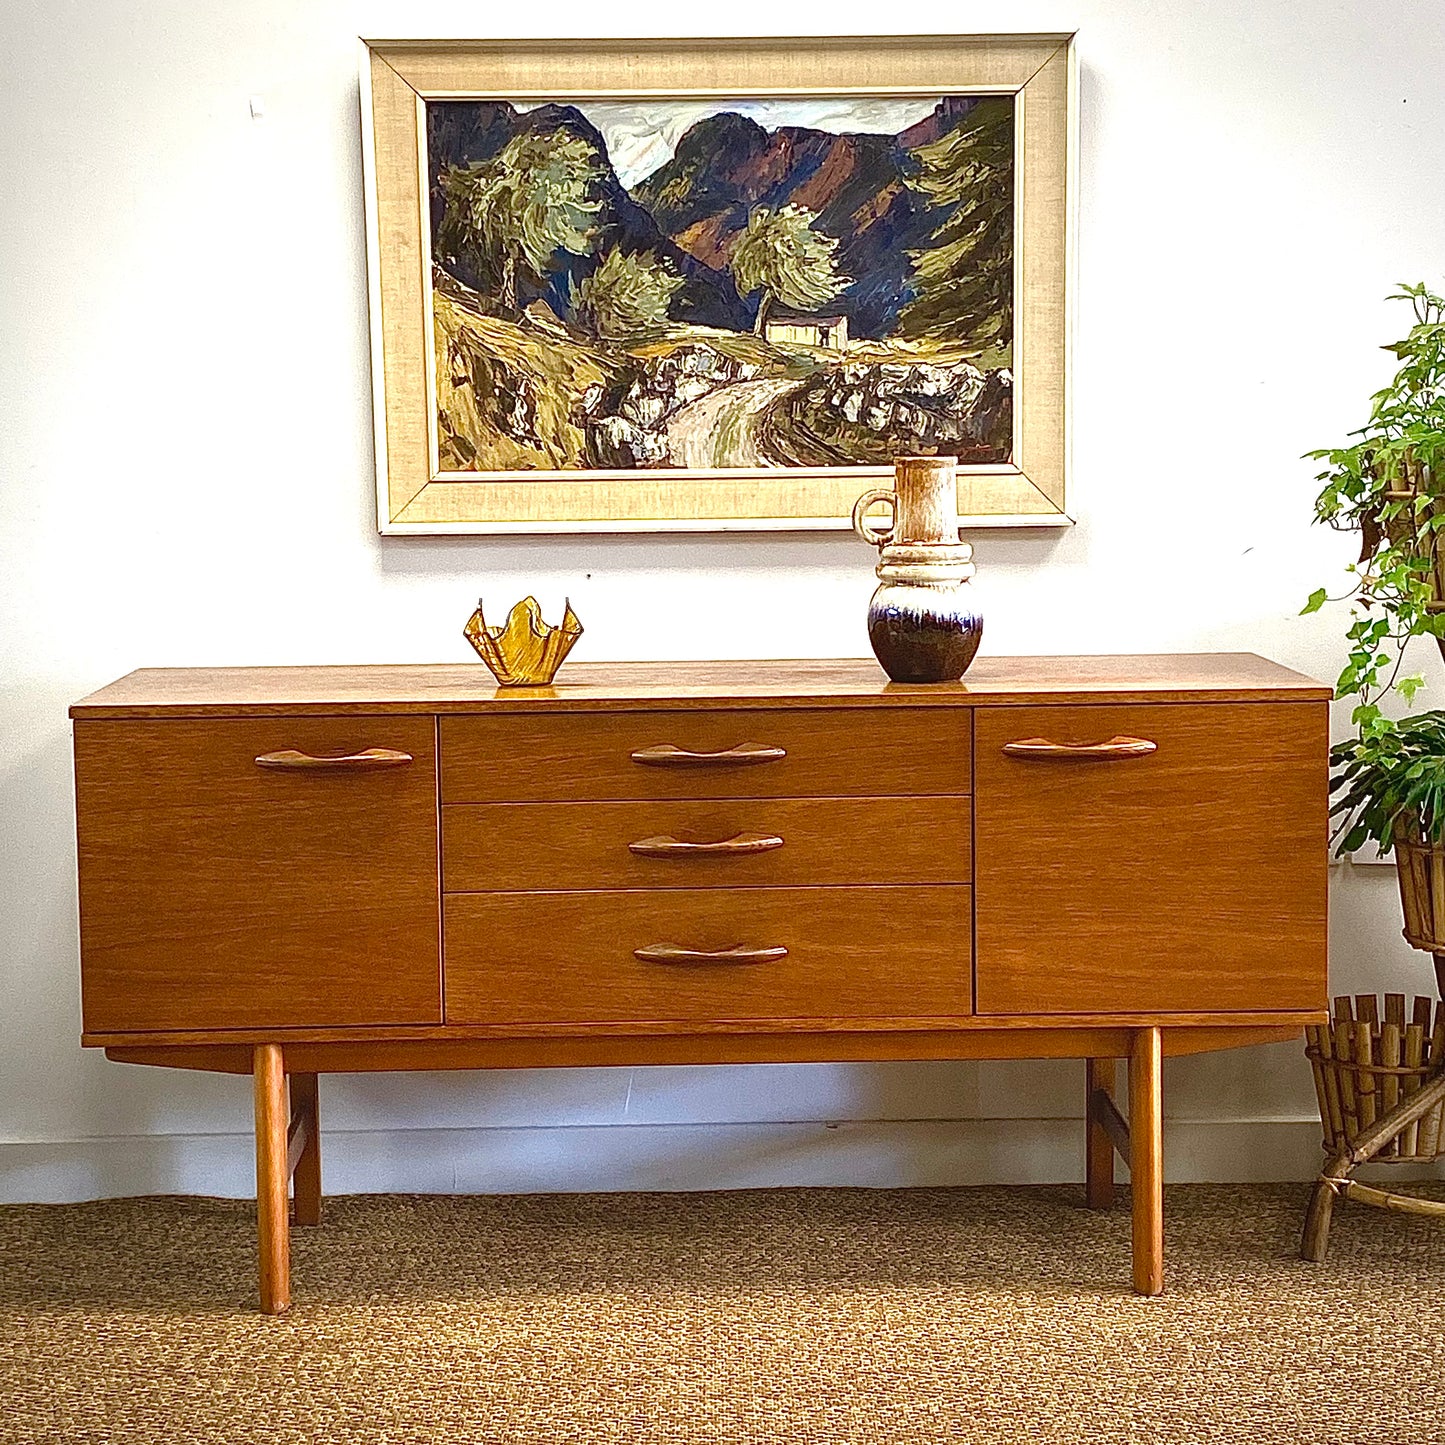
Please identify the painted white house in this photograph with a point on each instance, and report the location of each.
(829, 332)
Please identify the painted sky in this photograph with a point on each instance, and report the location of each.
(642, 135)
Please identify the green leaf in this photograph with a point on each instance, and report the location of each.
(1386, 482)
(1364, 715)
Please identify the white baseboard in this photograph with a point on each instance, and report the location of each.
(879, 1154)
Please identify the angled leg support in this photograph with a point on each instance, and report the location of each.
(307, 1176)
(1099, 1143)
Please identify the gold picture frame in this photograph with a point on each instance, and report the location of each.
(400, 77)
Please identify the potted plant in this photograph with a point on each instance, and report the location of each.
(1380, 1071)
(1388, 484)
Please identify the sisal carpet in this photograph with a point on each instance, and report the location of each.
(812, 1317)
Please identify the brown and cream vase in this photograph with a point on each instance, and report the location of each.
(923, 621)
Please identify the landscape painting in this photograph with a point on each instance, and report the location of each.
(720, 285)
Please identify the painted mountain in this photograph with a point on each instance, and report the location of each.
(631, 285)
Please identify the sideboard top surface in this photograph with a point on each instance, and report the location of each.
(599, 686)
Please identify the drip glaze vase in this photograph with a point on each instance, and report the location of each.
(923, 621)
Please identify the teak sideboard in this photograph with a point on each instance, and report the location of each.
(286, 872)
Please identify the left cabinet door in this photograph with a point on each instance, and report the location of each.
(219, 892)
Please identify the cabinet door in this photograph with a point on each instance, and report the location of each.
(1190, 878)
(217, 893)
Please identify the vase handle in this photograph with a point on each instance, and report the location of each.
(860, 521)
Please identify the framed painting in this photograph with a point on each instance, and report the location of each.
(622, 285)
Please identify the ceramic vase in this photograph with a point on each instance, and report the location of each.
(923, 622)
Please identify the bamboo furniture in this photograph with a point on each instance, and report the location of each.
(295, 871)
(1380, 1081)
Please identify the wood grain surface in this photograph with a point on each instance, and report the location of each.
(1146, 1161)
(699, 863)
(500, 847)
(1193, 878)
(568, 957)
(828, 753)
(273, 1231)
(583, 686)
(453, 1048)
(214, 891)
(1199, 1029)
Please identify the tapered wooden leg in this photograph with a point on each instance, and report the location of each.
(308, 1166)
(272, 1175)
(1146, 1160)
(1099, 1147)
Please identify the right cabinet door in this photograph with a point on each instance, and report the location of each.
(1188, 878)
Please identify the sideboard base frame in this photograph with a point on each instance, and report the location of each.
(287, 1117)
(479, 1046)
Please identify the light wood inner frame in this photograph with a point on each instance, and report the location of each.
(398, 76)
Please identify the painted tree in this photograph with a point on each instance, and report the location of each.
(782, 257)
(626, 295)
(964, 276)
(510, 215)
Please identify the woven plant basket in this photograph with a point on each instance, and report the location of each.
(1420, 866)
(1368, 1059)
(1414, 530)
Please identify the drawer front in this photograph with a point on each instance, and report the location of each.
(717, 843)
(773, 753)
(216, 893)
(851, 953)
(1189, 878)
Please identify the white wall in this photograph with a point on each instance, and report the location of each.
(185, 477)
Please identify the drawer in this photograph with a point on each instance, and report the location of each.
(892, 953)
(768, 753)
(219, 894)
(1191, 878)
(714, 843)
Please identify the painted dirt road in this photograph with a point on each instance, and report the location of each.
(723, 429)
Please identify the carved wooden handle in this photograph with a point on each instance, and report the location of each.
(672, 953)
(1044, 751)
(368, 760)
(739, 846)
(669, 755)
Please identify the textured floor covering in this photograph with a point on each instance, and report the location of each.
(799, 1316)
